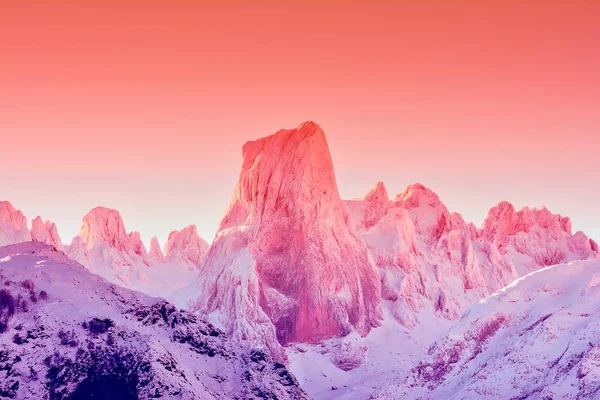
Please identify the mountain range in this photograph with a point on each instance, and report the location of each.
(378, 296)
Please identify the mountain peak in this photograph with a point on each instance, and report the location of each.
(45, 232)
(503, 220)
(536, 232)
(186, 245)
(291, 162)
(416, 195)
(13, 225)
(155, 250)
(286, 248)
(376, 204)
(377, 193)
(312, 127)
(105, 225)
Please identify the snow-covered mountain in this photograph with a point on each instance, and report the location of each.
(105, 247)
(286, 264)
(432, 261)
(66, 333)
(289, 248)
(348, 293)
(185, 246)
(532, 238)
(538, 338)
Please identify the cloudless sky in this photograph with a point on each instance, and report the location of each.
(144, 106)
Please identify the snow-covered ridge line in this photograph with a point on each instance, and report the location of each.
(536, 338)
(67, 334)
(101, 224)
(104, 246)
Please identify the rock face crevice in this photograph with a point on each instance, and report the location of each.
(285, 252)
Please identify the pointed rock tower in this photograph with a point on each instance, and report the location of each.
(45, 232)
(13, 225)
(107, 249)
(286, 259)
(155, 250)
(185, 246)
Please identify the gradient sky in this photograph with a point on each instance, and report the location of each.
(144, 106)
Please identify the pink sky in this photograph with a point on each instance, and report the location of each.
(143, 106)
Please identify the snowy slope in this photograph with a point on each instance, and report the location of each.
(68, 334)
(538, 338)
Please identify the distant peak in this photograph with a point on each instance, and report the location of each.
(291, 168)
(503, 206)
(376, 205)
(377, 192)
(504, 220)
(45, 232)
(309, 126)
(186, 245)
(9, 213)
(155, 250)
(6, 205)
(417, 194)
(101, 212)
(13, 225)
(105, 225)
(287, 138)
(101, 223)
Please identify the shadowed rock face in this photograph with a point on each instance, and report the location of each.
(285, 251)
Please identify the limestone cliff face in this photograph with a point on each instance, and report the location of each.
(45, 232)
(286, 254)
(13, 225)
(185, 246)
(431, 259)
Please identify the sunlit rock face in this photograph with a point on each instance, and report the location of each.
(155, 250)
(107, 249)
(545, 238)
(432, 261)
(45, 232)
(104, 225)
(13, 225)
(185, 246)
(286, 261)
